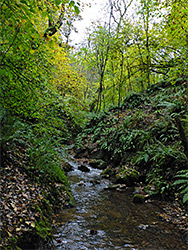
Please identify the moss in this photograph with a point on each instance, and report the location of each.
(11, 244)
(71, 199)
(138, 198)
(128, 176)
(107, 172)
(97, 163)
(43, 228)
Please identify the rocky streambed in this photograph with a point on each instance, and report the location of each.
(107, 218)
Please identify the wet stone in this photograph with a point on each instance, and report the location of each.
(93, 231)
(67, 167)
(118, 187)
(143, 227)
(81, 183)
(139, 198)
(83, 168)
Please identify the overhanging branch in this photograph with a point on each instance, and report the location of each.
(53, 28)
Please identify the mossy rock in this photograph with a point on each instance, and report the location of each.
(107, 172)
(96, 153)
(96, 163)
(117, 187)
(139, 198)
(67, 167)
(128, 176)
(83, 168)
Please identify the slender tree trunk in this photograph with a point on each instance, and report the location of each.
(121, 79)
(98, 107)
(113, 84)
(142, 63)
(148, 54)
(146, 14)
(129, 75)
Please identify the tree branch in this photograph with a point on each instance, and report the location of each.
(53, 28)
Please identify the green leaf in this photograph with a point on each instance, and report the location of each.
(180, 182)
(182, 176)
(184, 191)
(146, 157)
(57, 2)
(76, 9)
(185, 198)
(72, 3)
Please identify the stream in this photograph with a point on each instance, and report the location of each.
(108, 219)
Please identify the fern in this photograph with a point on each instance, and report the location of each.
(183, 183)
(141, 157)
(13, 131)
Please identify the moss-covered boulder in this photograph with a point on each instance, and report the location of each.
(97, 163)
(108, 172)
(127, 176)
(139, 198)
(83, 168)
(67, 167)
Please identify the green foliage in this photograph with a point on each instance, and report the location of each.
(40, 149)
(182, 184)
(138, 54)
(165, 131)
(29, 67)
(162, 152)
(12, 130)
(37, 156)
(45, 158)
(43, 226)
(144, 136)
(133, 100)
(156, 178)
(128, 174)
(142, 157)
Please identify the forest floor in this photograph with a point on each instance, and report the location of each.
(27, 205)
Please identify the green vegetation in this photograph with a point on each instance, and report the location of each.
(121, 97)
(183, 183)
(34, 156)
(37, 117)
(143, 142)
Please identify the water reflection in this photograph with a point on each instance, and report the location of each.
(104, 219)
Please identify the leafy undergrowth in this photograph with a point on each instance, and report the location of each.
(33, 185)
(143, 141)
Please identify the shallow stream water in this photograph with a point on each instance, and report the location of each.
(108, 219)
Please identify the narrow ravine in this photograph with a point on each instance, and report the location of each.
(108, 219)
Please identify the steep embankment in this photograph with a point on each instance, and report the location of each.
(28, 202)
(143, 141)
(33, 184)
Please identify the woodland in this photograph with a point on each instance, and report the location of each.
(120, 98)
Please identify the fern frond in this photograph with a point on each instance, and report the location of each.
(185, 198)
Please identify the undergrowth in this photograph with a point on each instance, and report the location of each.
(34, 151)
(144, 134)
